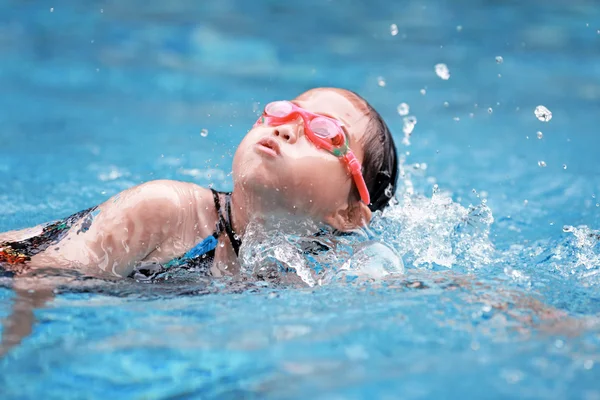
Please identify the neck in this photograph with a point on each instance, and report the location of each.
(241, 209)
(247, 206)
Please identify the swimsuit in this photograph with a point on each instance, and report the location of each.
(200, 257)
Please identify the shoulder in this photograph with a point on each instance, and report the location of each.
(165, 197)
(175, 192)
(160, 197)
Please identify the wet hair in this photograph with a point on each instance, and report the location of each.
(380, 163)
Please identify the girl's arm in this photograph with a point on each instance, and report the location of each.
(129, 226)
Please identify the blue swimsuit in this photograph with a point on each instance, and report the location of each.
(200, 258)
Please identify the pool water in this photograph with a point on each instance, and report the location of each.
(482, 282)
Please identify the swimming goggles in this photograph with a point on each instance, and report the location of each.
(324, 132)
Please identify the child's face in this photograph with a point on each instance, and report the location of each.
(298, 177)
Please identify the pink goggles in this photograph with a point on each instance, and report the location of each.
(324, 132)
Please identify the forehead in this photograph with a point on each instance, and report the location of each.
(336, 102)
(340, 104)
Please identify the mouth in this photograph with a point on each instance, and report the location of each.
(269, 146)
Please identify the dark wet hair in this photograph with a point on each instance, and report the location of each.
(380, 163)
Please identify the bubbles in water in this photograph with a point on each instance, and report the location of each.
(490, 110)
(540, 135)
(543, 114)
(499, 59)
(403, 109)
(542, 164)
(459, 28)
(442, 71)
(394, 29)
(564, 166)
(204, 132)
(423, 91)
(381, 81)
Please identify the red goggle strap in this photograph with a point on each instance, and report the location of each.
(356, 171)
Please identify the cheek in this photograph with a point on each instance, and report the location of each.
(322, 179)
(242, 153)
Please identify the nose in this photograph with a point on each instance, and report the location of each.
(288, 132)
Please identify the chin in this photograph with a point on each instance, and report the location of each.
(257, 179)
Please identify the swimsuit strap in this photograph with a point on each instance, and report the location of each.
(224, 223)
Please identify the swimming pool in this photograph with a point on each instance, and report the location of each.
(99, 96)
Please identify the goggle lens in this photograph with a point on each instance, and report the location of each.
(279, 109)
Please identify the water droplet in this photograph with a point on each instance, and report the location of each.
(51, 9)
(542, 164)
(564, 166)
(490, 110)
(423, 91)
(204, 132)
(394, 29)
(442, 71)
(525, 202)
(381, 81)
(389, 191)
(540, 135)
(403, 109)
(446, 104)
(543, 114)
(499, 59)
(409, 124)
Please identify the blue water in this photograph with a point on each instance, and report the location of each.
(500, 300)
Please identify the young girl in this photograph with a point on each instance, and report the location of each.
(326, 157)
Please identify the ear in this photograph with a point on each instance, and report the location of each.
(346, 219)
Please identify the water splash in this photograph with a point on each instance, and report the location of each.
(421, 231)
(267, 254)
(579, 254)
(371, 260)
(429, 231)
